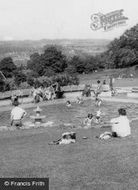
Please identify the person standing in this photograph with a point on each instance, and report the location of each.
(17, 114)
(111, 82)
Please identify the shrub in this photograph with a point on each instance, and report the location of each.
(24, 85)
(62, 79)
(19, 78)
(43, 81)
(10, 84)
(66, 79)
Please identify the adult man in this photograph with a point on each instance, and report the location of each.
(17, 114)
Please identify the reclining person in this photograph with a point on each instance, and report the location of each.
(17, 114)
(120, 126)
(67, 138)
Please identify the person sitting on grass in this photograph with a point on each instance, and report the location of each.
(68, 104)
(87, 123)
(17, 114)
(120, 126)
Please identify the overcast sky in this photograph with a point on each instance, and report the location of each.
(37, 19)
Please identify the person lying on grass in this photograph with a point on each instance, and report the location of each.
(17, 114)
(67, 138)
(120, 126)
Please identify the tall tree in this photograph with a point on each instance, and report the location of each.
(52, 59)
(7, 67)
(123, 52)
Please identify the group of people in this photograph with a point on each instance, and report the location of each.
(120, 126)
(92, 119)
(49, 93)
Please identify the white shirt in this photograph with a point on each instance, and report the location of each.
(121, 126)
(17, 113)
(88, 122)
(98, 114)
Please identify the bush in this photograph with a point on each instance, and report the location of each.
(19, 78)
(2, 86)
(62, 79)
(66, 79)
(24, 85)
(43, 81)
(49, 72)
(31, 81)
(10, 84)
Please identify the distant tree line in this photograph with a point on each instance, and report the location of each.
(53, 65)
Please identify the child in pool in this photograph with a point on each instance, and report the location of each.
(79, 100)
(88, 121)
(98, 102)
(68, 103)
(98, 116)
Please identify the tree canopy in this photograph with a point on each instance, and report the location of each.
(52, 60)
(123, 52)
(7, 67)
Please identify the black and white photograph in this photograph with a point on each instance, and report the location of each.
(68, 95)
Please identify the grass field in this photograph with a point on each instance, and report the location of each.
(87, 164)
(101, 75)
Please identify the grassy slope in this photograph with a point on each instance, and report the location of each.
(87, 164)
(101, 75)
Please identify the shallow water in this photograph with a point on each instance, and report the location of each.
(60, 114)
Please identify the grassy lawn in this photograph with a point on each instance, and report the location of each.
(87, 164)
(101, 75)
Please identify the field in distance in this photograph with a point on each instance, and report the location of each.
(20, 51)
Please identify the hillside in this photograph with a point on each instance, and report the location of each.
(21, 50)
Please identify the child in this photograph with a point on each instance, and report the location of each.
(88, 121)
(14, 98)
(98, 116)
(120, 126)
(68, 103)
(17, 114)
(79, 100)
(98, 102)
